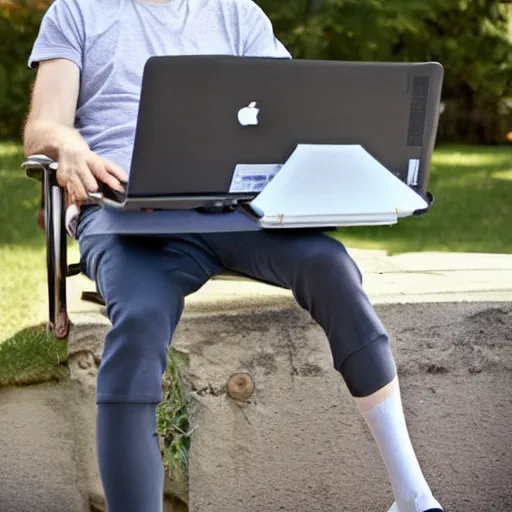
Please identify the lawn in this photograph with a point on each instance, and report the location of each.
(27, 352)
(473, 212)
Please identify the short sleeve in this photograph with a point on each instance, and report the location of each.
(259, 37)
(61, 35)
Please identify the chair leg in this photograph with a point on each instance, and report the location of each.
(56, 257)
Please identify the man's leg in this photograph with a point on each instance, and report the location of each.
(326, 281)
(143, 282)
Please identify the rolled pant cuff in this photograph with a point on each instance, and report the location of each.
(370, 368)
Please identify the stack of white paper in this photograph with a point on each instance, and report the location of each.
(334, 185)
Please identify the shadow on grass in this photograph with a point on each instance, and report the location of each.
(20, 201)
(32, 356)
(472, 211)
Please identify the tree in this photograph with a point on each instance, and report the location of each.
(19, 23)
(471, 38)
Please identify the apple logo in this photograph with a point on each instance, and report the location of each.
(248, 116)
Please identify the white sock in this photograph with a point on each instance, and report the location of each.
(387, 424)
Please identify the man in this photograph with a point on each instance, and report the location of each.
(90, 56)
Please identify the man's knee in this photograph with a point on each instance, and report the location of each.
(328, 264)
(135, 354)
(330, 287)
(144, 319)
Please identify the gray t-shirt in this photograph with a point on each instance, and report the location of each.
(111, 40)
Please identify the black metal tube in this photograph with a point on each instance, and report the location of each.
(50, 243)
(60, 252)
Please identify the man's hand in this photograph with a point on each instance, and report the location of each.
(50, 130)
(80, 170)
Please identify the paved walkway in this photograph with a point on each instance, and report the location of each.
(405, 278)
(436, 277)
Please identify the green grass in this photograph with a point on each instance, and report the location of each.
(32, 356)
(173, 420)
(27, 354)
(472, 211)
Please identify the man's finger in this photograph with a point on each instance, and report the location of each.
(113, 182)
(62, 178)
(77, 191)
(87, 177)
(100, 172)
(116, 171)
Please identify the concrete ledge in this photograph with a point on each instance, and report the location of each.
(46, 448)
(298, 444)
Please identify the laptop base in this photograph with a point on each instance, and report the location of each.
(203, 204)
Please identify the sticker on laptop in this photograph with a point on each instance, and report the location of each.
(252, 177)
(412, 172)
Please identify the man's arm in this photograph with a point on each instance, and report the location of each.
(49, 130)
(49, 125)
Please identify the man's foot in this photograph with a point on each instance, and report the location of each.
(394, 508)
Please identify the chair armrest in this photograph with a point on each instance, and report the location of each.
(37, 165)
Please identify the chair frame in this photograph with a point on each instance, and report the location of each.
(44, 170)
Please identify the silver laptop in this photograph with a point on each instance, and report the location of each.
(212, 131)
